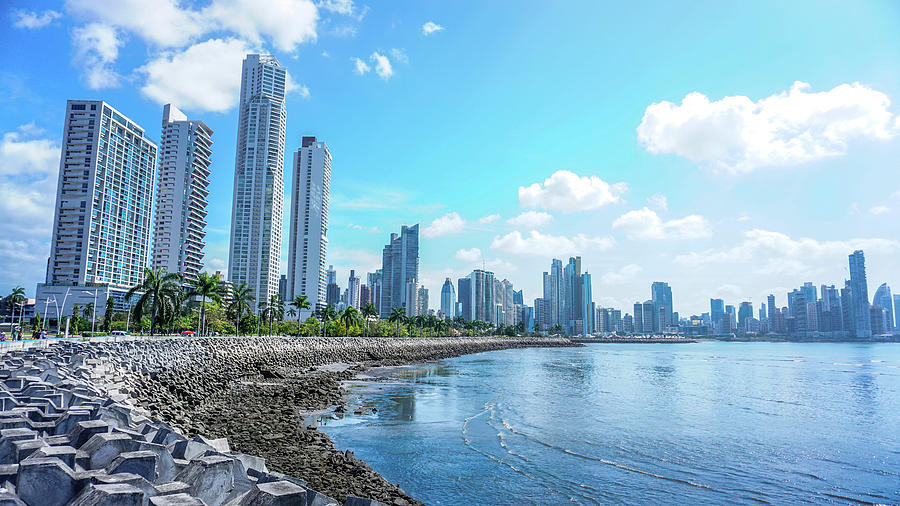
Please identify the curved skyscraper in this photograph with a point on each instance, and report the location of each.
(256, 211)
(884, 300)
(448, 299)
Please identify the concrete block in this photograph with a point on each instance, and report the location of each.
(25, 447)
(165, 464)
(83, 431)
(104, 448)
(63, 453)
(141, 463)
(187, 450)
(358, 501)
(45, 481)
(7, 498)
(117, 494)
(172, 487)
(276, 493)
(211, 478)
(176, 500)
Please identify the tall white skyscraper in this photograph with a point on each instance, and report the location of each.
(353, 289)
(256, 213)
(181, 195)
(101, 224)
(309, 223)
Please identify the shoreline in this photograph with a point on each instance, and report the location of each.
(258, 392)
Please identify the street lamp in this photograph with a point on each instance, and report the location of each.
(94, 308)
(59, 318)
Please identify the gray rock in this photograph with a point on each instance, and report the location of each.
(142, 463)
(45, 482)
(210, 478)
(118, 494)
(276, 493)
(176, 500)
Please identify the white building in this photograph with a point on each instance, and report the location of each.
(448, 299)
(101, 226)
(256, 213)
(181, 194)
(308, 244)
(353, 289)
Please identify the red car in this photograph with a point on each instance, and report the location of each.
(187, 333)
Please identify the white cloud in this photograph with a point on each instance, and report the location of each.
(33, 20)
(287, 23)
(399, 55)
(531, 219)
(877, 210)
(96, 49)
(623, 275)
(382, 65)
(205, 76)
(469, 255)
(359, 66)
(29, 168)
(160, 22)
(644, 223)
(431, 27)
(545, 245)
(489, 218)
(774, 253)
(362, 228)
(450, 223)
(739, 135)
(344, 7)
(658, 202)
(326, 54)
(291, 86)
(568, 192)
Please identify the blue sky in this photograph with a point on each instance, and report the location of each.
(667, 141)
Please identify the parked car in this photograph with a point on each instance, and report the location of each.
(118, 333)
(187, 333)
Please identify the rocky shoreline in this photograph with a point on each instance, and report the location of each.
(255, 392)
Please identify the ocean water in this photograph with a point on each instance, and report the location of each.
(640, 423)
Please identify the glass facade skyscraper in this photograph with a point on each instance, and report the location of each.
(859, 293)
(400, 267)
(257, 204)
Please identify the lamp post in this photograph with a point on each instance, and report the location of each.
(94, 308)
(59, 318)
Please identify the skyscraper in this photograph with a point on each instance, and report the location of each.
(400, 265)
(482, 289)
(638, 322)
(557, 293)
(649, 324)
(586, 299)
(101, 224)
(745, 311)
(308, 241)
(859, 293)
(353, 289)
(256, 211)
(884, 300)
(661, 295)
(770, 300)
(897, 311)
(716, 310)
(181, 196)
(464, 298)
(448, 299)
(422, 301)
(809, 292)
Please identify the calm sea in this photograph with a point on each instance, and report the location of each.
(660, 424)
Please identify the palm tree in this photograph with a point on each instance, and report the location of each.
(160, 292)
(241, 300)
(207, 287)
(368, 311)
(300, 302)
(398, 316)
(326, 313)
(419, 322)
(349, 316)
(275, 310)
(292, 312)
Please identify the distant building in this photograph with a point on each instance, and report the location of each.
(638, 319)
(422, 301)
(332, 294)
(411, 298)
(400, 268)
(770, 302)
(353, 289)
(365, 295)
(448, 299)
(482, 295)
(884, 300)
(716, 311)
(282, 288)
(464, 298)
(896, 311)
(745, 311)
(859, 293)
(661, 295)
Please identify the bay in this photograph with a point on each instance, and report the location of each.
(708, 422)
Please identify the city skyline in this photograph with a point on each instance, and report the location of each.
(681, 217)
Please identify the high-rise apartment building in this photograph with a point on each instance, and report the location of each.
(422, 300)
(101, 224)
(716, 311)
(257, 204)
(482, 295)
(770, 303)
(185, 149)
(448, 299)
(884, 300)
(399, 266)
(353, 289)
(308, 241)
(638, 322)
(859, 293)
(661, 295)
(464, 298)
(897, 311)
(373, 279)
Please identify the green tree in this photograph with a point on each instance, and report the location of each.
(88, 311)
(206, 287)
(349, 317)
(398, 316)
(326, 314)
(291, 313)
(76, 310)
(108, 313)
(274, 310)
(14, 299)
(300, 302)
(160, 294)
(241, 301)
(368, 311)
